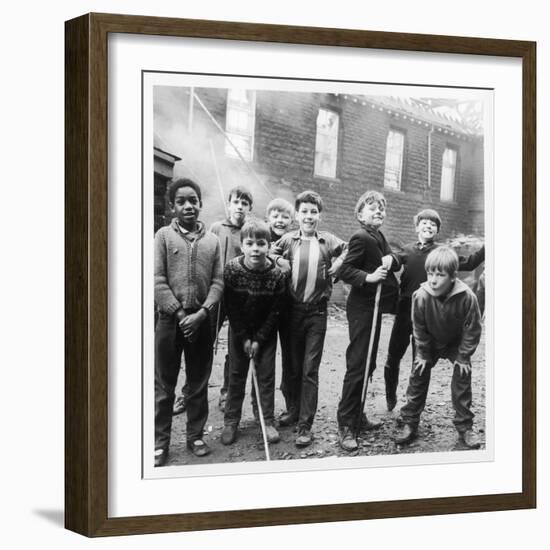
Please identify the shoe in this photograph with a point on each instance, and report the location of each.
(407, 435)
(347, 440)
(161, 456)
(368, 425)
(180, 404)
(198, 447)
(229, 434)
(469, 439)
(272, 434)
(304, 437)
(221, 402)
(288, 418)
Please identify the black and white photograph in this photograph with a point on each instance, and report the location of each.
(314, 291)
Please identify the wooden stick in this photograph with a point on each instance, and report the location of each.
(259, 402)
(369, 355)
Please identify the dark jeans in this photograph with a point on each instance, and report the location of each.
(216, 325)
(265, 371)
(401, 336)
(359, 326)
(286, 357)
(461, 395)
(169, 345)
(307, 328)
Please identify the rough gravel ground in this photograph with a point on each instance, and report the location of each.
(436, 431)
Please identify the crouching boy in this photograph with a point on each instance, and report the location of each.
(254, 287)
(446, 325)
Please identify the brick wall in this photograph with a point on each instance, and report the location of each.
(284, 154)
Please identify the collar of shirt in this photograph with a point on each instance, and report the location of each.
(298, 236)
(423, 246)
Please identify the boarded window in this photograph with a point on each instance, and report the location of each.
(240, 121)
(394, 159)
(448, 174)
(326, 143)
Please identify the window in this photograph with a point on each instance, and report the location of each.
(448, 173)
(393, 170)
(326, 143)
(240, 121)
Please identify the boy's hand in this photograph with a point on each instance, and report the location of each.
(254, 349)
(376, 276)
(283, 264)
(336, 265)
(190, 325)
(246, 346)
(387, 261)
(464, 368)
(420, 366)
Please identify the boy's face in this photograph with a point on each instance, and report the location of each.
(308, 216)
(372, 214)
(238, 208)
(279, 220)
(440, 282)
(427, 230)
(255, 251)
(186, 207)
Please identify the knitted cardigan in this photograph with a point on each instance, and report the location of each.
(188, 271)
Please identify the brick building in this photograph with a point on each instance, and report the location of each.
(338, 145)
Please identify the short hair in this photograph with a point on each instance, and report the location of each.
(309, 196)
(369, 197)
(428, 214)
(240, 192)
(280, 204)
(256, 229)
(442, 258)
(182, 182)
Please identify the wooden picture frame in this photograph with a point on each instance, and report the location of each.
(86, 280)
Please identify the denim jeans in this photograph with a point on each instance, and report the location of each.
(169, 345)
(461, 396)
(306, 337)
(265, 371)
(401, 336)
(359, 327)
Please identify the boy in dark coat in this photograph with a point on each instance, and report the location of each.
(369, 262)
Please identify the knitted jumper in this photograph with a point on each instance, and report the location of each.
(253, 299)
(188, 270)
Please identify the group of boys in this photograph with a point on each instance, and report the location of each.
(269, 280)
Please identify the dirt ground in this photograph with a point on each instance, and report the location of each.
(436, 431)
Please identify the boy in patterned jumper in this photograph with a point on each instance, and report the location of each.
(254, 288)
(188, 284)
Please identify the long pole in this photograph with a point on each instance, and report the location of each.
(374, 326)
(219, 314)
(235, 148)
(259, 401)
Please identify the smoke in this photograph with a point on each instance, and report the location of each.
(202, 146)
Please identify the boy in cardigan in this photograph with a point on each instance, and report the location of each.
(254, 287)
(369, 262)
(228, 231)
(188, 284)
(446, 325)
(427, 224)
(308, 254)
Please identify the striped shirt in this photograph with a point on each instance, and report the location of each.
(310, 259)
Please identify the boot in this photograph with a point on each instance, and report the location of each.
(407, 435)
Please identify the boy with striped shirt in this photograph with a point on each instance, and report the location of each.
(308, 254)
